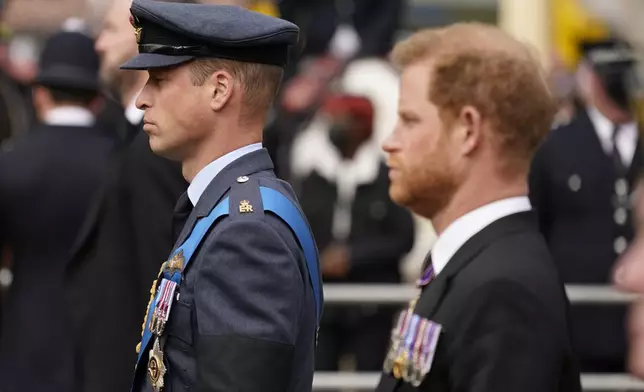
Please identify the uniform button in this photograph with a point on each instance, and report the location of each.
(620, 216)
(242, 179)
(621, 187)
(620, 245)
(6, 277)
(574, 182)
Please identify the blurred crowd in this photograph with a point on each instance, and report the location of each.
(67, 115)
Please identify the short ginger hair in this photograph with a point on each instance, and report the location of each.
(260, 83)
(481, 66)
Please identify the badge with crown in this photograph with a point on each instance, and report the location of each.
(137, 28)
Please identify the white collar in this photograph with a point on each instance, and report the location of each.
(74, 116)
(313, 152)
(133, 114)
(465, 227)
(626, 140)
(208, 173)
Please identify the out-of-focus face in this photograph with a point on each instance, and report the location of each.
(176, 112)
(421, 168)
(116, 42)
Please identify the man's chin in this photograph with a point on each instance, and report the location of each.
(398, 195)
(164, 151)
(110, 79)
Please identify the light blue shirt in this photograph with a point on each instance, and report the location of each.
(208, 173)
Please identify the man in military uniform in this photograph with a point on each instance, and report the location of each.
(492, 313)
(580, 185)
(236, 305)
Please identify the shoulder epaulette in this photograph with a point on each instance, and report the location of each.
(245, 198)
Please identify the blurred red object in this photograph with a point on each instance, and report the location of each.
(357, 107)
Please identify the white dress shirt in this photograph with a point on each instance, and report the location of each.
(465, 227)
(133, 114)
(208, 173)
(71, 116)
(626, 139)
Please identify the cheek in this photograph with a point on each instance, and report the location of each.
(420, 148)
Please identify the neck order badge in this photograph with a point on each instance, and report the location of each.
(172, 271)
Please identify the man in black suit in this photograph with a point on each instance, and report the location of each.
(492, 314)
(127, 234)
(47, 182)
(580, 185)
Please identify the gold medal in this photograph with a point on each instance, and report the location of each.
(156, 367)
(399, 365)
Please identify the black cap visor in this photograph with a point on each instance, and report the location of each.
(144, 61)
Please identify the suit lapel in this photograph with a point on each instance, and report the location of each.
(433, 294)
(247, 165)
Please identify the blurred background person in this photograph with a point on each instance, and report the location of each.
(580, 185)
(46, 184)
(127, 234)
(333, 35)
(17, 113)
(342, 182)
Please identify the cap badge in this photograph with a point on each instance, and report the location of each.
(137, 28)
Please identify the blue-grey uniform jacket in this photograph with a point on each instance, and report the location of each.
(245, 316)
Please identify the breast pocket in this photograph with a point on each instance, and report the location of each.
(179, 349)
(180, 323)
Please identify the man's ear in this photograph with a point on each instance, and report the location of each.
(222, 83)
(470, 129)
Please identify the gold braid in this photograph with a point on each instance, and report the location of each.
(153, 291)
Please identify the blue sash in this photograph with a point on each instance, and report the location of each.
(272, 201)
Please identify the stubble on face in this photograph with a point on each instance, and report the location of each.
(423, 178)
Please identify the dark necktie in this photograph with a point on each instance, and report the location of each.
(428, 274)
(617, 157)
(180, 216)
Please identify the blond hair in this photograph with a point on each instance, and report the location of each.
(478, 65)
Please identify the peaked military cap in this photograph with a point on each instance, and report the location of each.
(611, 52)
(169, 34)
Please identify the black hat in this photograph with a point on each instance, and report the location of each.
(170, 34)
(69, 60)
(610, 52)
(613, 61)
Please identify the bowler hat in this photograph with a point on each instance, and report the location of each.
(69, 60)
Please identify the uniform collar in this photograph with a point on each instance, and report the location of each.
(626, 140)
(208, 173)
(246, 165)
(74, 116)
(468, 225)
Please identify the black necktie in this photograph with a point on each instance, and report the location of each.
(617, 157)
(181, 213)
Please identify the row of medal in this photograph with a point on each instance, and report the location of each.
(160, 316)
(413, 345)
(413, 341)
